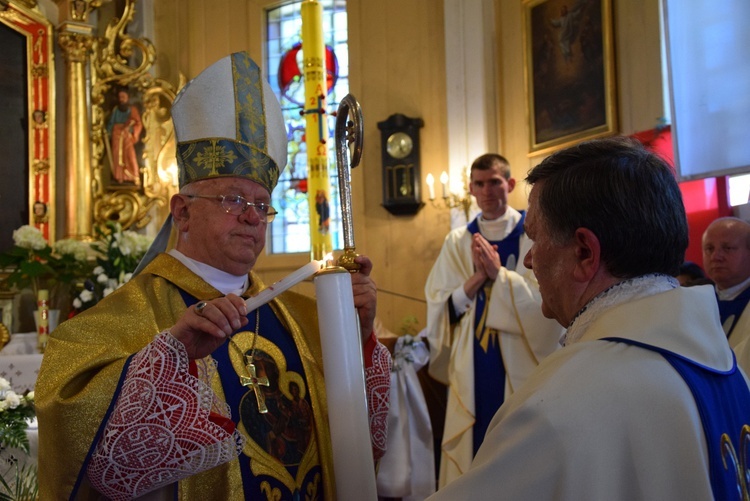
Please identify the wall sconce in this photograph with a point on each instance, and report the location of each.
(451, 200)
(401, 164)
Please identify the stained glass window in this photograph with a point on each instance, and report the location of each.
(290, 231)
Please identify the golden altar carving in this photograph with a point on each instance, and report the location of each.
(122, 63)
(102, 56)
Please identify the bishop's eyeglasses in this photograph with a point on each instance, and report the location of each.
(236, 205)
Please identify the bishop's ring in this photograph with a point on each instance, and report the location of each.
(199, 307)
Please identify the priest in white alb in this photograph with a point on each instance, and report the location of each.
(484, 323)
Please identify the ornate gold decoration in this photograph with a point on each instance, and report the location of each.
(76, 46)
(6, 308)
(740, 463)
(39, 70)
(29, 4)
(125, 206)
(41, 166)
(451, 200)
(25, 18)
(4, 335)
(120, 60)
(11, 16)
(5, 7)
(80, 9)
(39, 119)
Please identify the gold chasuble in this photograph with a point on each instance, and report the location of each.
(286, 452)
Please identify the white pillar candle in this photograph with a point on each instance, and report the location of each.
(431, 186)
(282, 285)
(444, 182)
(341, 341)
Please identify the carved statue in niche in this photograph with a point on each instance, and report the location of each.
(123, 133)
(40, 119)
(132, 136)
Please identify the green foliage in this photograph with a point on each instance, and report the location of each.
(14, 437)
(30, 267)
(17, 483)
(409, 325)
(14, 420)
(22, 484)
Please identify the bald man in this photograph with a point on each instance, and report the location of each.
(726, 259)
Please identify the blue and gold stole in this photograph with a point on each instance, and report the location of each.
(723, 401)
(489, 370)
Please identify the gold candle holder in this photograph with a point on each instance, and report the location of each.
(43, 327)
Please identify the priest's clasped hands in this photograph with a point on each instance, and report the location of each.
(485, 257)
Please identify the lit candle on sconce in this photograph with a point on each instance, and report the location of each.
(444, 183)
(430, 180)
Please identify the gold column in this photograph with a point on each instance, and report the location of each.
(76, 41)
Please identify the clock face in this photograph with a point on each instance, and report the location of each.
(399, 145)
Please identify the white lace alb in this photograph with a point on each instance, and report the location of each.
(622, 292)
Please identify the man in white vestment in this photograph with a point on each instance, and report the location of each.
(644, 399)
(484, 323)
(726, 259)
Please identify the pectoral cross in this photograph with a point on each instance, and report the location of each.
(255, 382)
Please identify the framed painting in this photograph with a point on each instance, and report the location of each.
(569, 69)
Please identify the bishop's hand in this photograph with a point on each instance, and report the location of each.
(205, 326)
(365, 296)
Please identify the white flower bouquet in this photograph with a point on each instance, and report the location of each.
(18, 480)
(15, 412)
(33, 263)
(118, 254)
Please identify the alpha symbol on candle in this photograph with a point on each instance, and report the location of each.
(255, 383)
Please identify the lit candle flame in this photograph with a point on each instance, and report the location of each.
(431, 185)
(444, 182)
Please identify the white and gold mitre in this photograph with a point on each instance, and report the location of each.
(228, 122)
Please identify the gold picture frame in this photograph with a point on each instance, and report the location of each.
(569, 71)
(23, 17)
(6, 312)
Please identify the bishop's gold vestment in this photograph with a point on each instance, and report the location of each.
(83, 367)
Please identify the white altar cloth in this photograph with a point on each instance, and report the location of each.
(20, 362)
